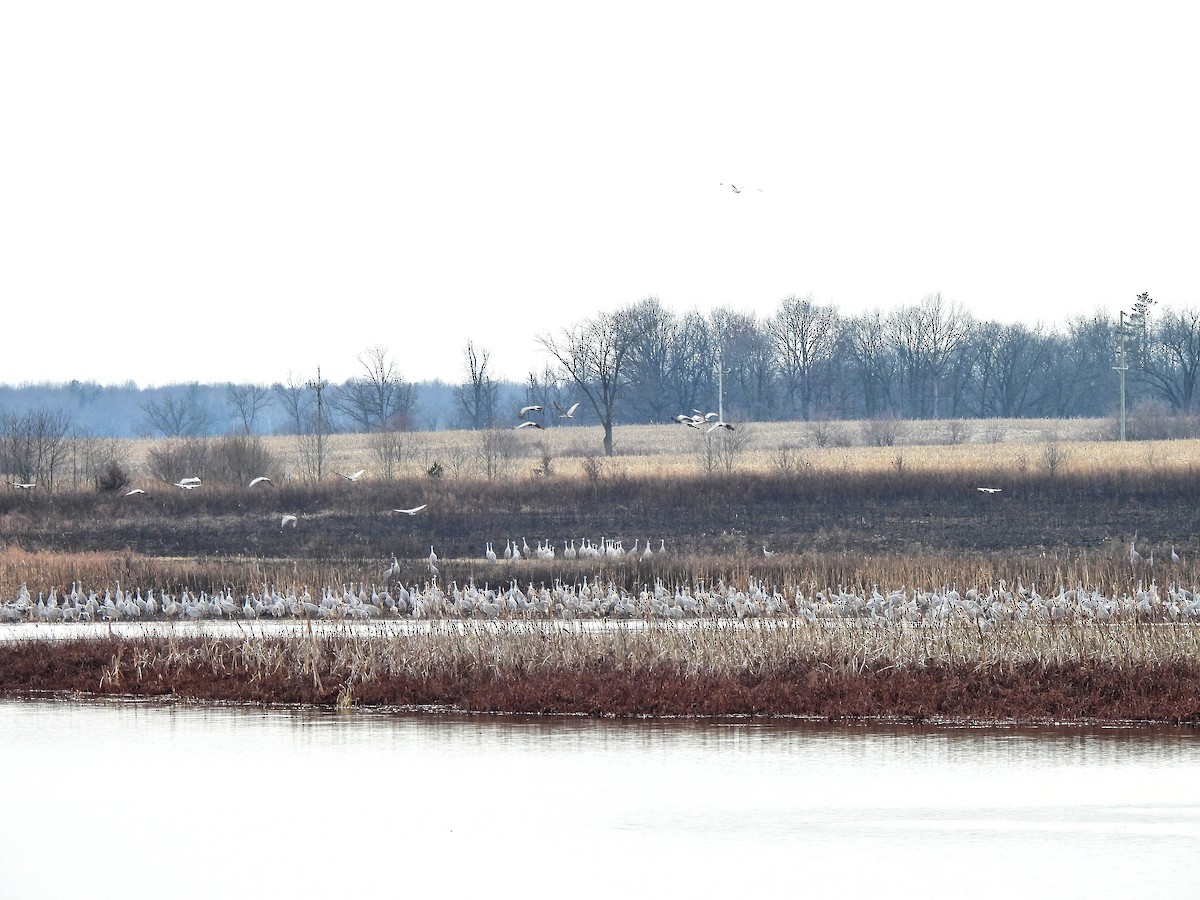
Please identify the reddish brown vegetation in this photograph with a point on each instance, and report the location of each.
(208, 670)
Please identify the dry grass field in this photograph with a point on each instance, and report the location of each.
(850, 512)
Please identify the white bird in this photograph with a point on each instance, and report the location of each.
(186, 485)
(23, 485)
(432, 556)
(736, 189)
(357, 475)
(690, 421)
(412, 511)
(259, 480)
(394, 568)
(134, 491)
(288, 519)
(717, 425)
(1174, 555)
(490, 553)
(529, 425)
(528, 409)
(566, 413)
(988, 490)
(191, 479)
(767, 553)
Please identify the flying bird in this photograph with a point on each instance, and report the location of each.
(259, 480)
(134, 491)
(24, 485)
(987, 490)
(187, 484)
(529, 425)
(736, 189)
(717, 425)
(354, 477)
(413, 511)
(528, 409)
(191, 479)
(287, 520)
(566, 413)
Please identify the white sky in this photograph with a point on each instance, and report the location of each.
(246, 190)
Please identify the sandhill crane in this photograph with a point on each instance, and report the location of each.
(412, 510)
(286, 520)
(134, 491)
(432, 556)
(529, 425)
(1174, 555)
(394, 568)
(989, 490)
(718, 424)
(355, 476)
(528, 409)
(24, 485)
(261, 479)
(191, 479)
(566, 413)
(186, 485)
(1134, 556)
(767, 553)
(490, 553)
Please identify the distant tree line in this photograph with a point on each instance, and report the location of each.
(646, 363)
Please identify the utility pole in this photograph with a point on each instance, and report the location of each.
(720, 387)
(319, 386)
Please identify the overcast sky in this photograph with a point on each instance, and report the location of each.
(247, 190)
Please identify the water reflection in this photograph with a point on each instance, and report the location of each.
(198, 802)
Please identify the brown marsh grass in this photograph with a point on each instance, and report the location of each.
(950, 672)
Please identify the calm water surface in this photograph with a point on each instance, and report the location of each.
(140, 800)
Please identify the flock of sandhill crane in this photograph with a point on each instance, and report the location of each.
(605, 549)
(997, 606)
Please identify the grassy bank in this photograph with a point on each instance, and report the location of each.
(955, 672)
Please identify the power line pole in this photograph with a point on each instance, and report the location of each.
(720, 387)
(319, 386)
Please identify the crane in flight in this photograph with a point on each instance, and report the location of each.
(354, 476)
(566, 413)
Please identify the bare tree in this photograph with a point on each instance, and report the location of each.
(34, 446)
(545, 389)
(804, 336)
(380, 398)
(495, 452)
(750, 363)
(595, 355)
(1170, 365)
(296, 398)
(925, 338)
(672, 364)
(179, 412)
(246, 401)
(478, 395)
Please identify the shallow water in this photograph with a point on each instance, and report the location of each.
(145, 800)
